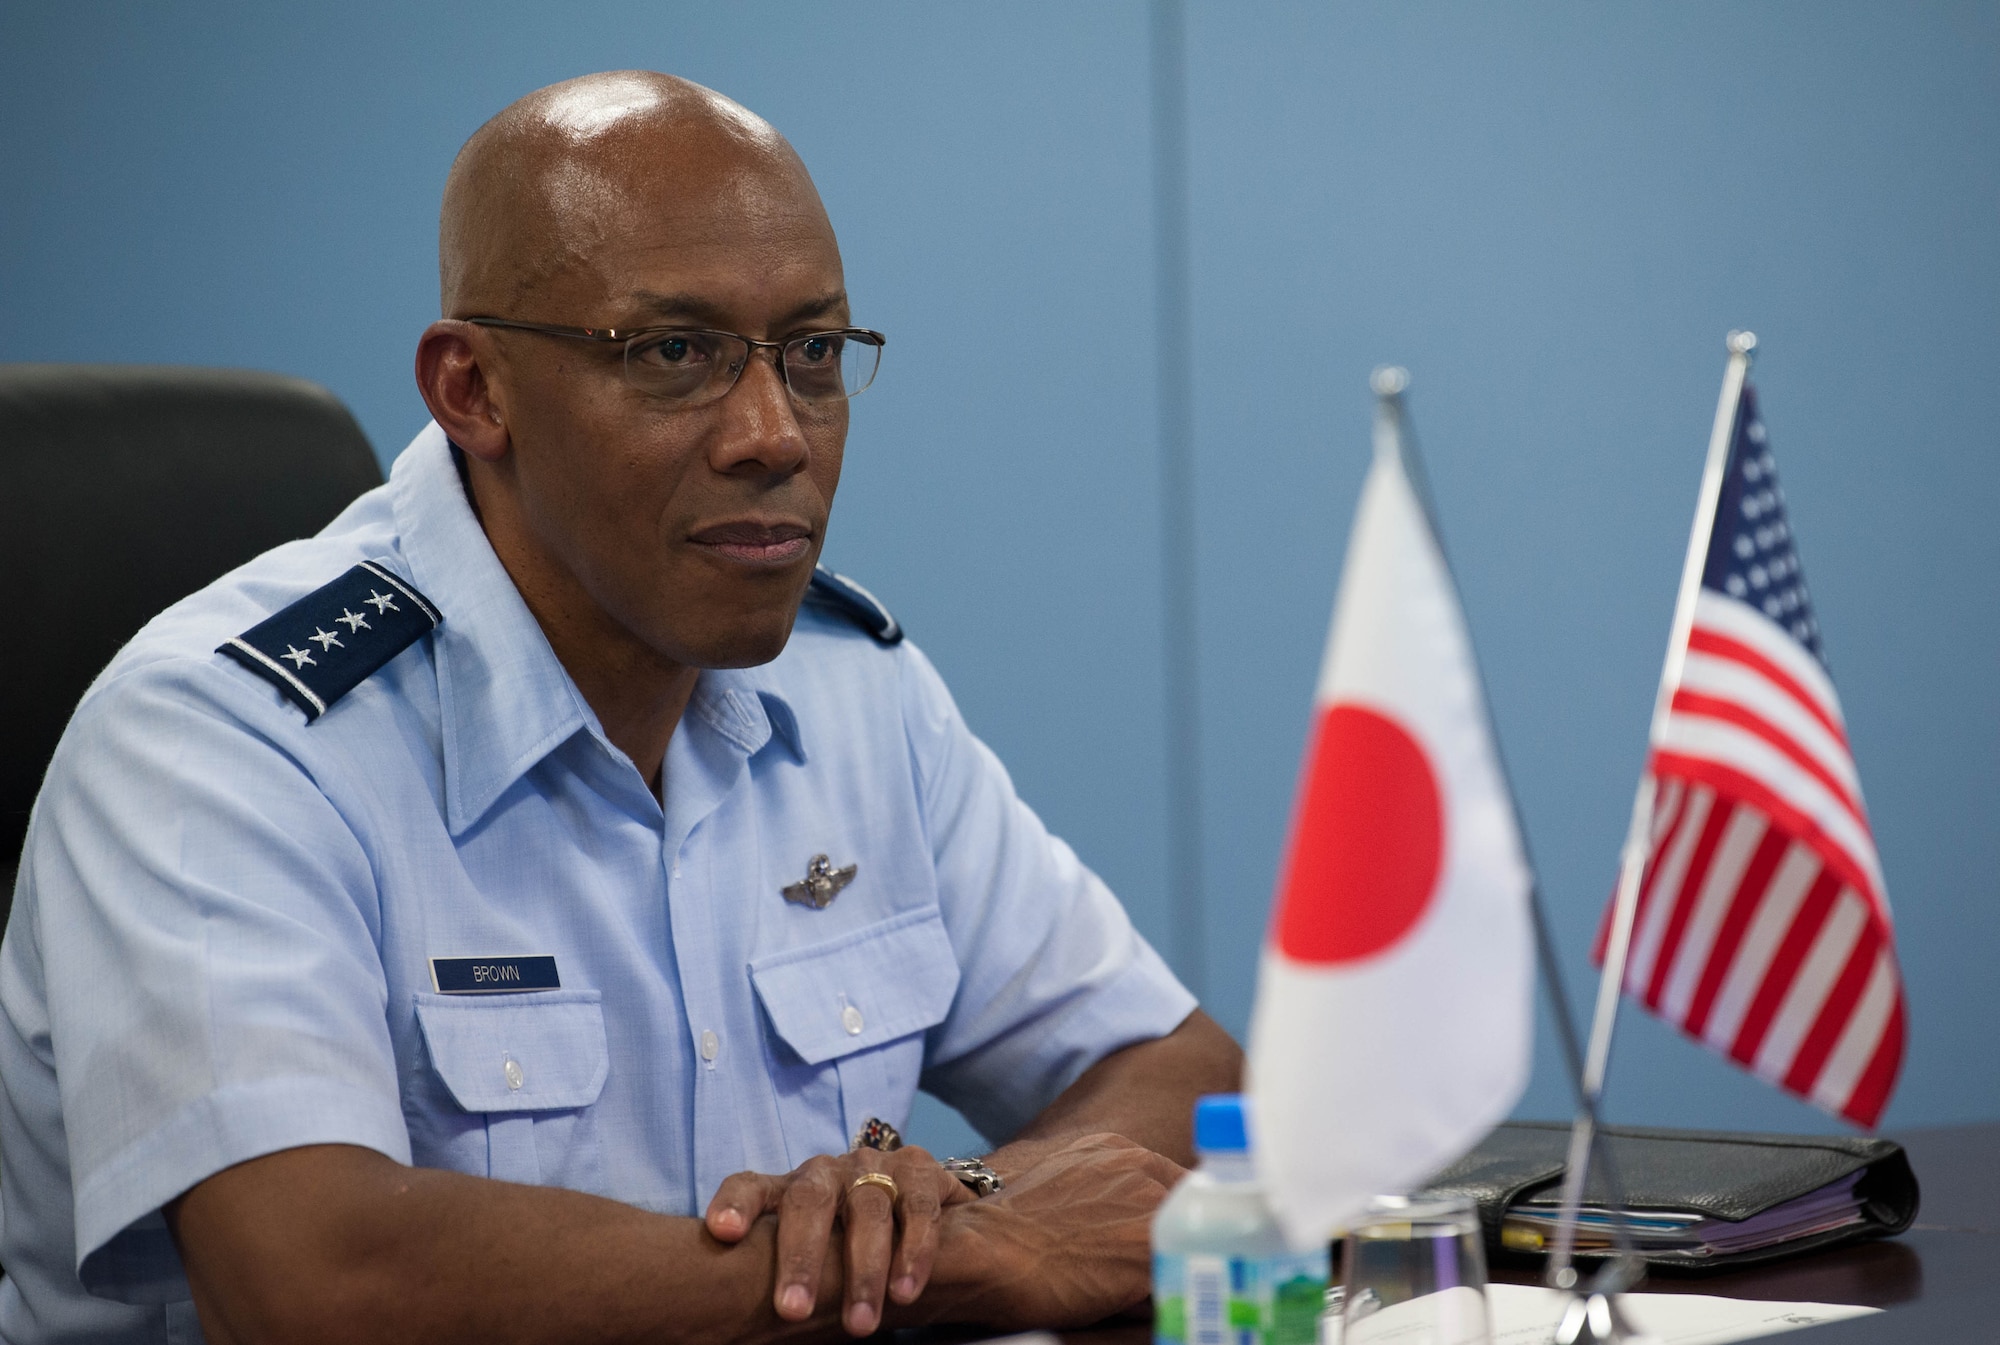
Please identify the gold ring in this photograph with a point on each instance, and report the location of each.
(881, 1179)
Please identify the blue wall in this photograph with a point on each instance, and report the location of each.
(1551, 214)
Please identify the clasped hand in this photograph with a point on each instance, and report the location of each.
(1065, 1245)
(811, 1198)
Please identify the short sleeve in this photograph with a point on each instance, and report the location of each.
(1053, 975)
(208, 927)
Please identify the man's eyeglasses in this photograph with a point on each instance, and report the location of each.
(690, 366)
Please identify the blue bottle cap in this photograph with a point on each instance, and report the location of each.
(1219, 1124)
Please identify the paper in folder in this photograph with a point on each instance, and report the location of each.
(1695, 1200)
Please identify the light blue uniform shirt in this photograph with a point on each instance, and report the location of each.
(224, 921)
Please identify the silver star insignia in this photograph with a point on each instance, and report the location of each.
(822, 883)
(325, 639)
(354, 623)
(382, 601)
(299, 657)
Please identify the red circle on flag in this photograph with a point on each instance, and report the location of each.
(1368, 842)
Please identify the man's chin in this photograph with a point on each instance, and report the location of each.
(746, 646)
(731, 620)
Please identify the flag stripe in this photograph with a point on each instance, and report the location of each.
(1664, 887)
(1809, 986)
(1666, 809)
(1727, 621)
(1667, 814)
(1706, 640)
(1677, 904)
(1748, 900)
(1797, 872)
(1731, 681)
(1716, 894)
(1871, 1094)
(1738, 715)
(1861, 1035)
(1785, 962)
(1831, 1017)
(1730, 780)
(1752, 758)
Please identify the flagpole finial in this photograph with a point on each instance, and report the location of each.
(1389, 380)
(1741, 343)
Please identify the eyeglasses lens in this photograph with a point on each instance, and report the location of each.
(697, 366)
(830, 366)
(688, 365)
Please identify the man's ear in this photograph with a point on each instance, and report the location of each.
(452, 362)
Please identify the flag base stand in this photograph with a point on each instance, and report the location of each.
(1594, 1319)
(1590, 1315)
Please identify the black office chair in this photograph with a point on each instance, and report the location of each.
(124, 488)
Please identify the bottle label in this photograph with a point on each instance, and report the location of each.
(1238, 1300)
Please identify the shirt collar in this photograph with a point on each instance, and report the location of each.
(745, 706)
(505, 700)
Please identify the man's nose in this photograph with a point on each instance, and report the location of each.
(760, 425)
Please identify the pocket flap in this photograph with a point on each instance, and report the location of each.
(867, 987)
(506, 1053)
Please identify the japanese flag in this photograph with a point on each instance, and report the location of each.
(1394, 1013)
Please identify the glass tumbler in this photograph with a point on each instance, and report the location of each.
(1415, 1274)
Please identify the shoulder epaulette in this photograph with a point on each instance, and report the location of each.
(335, 638)
(841, 594)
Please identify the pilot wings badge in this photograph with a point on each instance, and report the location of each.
(822, 883)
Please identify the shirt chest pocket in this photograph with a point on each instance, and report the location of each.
(532, 1066)
(848, 1018)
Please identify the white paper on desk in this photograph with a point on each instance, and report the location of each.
(1525, 1314)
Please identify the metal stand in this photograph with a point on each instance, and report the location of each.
(1591, 1315)
(1593, 1319)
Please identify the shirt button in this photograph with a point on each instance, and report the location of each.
(850, 1018)
(512, 1069)
(710, 1044)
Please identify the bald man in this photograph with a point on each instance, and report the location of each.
(525, 910)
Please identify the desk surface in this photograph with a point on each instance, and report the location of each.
(1940, 1281)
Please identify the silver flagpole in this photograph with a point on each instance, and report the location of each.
(1639, 838)
(1394, 437)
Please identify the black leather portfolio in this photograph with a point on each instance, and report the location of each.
(1695, 1200)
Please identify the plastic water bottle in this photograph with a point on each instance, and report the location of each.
(1223, 1273)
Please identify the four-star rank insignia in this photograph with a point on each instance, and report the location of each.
(336, 637)
(822, 883)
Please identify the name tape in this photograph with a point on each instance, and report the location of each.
(493, 975)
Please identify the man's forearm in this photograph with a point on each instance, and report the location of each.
(334, 1243)
(337, 1243)
(1145, 1092)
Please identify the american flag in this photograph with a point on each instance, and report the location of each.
(1762, 928)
